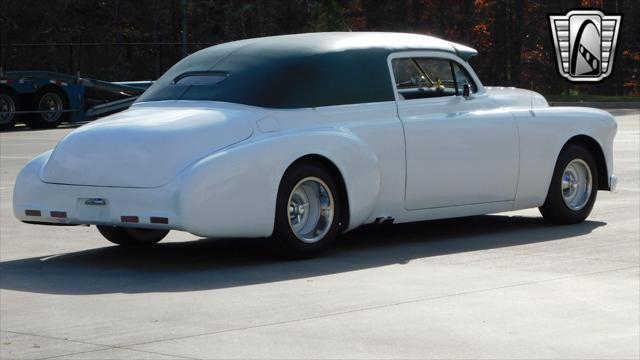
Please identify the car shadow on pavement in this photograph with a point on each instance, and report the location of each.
(222, 263)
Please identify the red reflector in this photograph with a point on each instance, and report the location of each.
(59, 214)
(159, 220)
(129, 219)
(32, 212)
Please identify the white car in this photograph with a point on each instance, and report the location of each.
(301, 137)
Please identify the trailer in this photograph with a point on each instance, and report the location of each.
(44, 99)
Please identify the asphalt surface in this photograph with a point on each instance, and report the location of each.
(507, 286)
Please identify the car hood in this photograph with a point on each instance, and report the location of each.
(510, 97)
(147, 145)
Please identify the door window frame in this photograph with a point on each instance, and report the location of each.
(440, 55)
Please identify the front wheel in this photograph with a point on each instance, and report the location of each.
(573, 188)
(307, 213)
(132, 237)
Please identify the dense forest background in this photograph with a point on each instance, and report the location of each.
(140, 39)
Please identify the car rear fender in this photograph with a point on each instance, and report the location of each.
(232, 193)
(26, 177)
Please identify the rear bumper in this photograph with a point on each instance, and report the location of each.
(37, 202)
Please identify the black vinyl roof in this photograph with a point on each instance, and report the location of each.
(295, 71)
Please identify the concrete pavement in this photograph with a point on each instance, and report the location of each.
(506, 286)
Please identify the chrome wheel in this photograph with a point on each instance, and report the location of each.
(310, 209)
(52, 106)
(7, 109)
(577, 184)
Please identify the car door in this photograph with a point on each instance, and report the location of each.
(459, 150)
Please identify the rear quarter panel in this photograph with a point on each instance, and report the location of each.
(224, 192)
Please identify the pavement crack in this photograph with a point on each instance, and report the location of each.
(102, 347)
(73, 353)
(55, 338)
(118, 348)
(382, 306)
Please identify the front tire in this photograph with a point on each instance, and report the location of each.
(132, 237)
(308, 212)
(573, 189)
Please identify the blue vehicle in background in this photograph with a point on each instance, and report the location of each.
(43, 99)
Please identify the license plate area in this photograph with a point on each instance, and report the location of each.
(93, 209)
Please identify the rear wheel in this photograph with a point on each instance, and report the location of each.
(51, 102)
(132, 237)
(308, 212)
(9, 104)
(573, 188)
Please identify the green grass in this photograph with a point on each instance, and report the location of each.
(589, 98)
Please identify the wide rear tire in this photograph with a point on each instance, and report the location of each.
(573, 189)
(308, 212)
(132, 237)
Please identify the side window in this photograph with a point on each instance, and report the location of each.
(423, 78)
(462, 78)
(408, 75)
(440, 71)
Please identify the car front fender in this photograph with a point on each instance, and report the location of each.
(542, 137)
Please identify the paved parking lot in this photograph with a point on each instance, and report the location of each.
(505, 286)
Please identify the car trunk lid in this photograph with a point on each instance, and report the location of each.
(147, 145)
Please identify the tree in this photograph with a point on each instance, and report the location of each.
(140, 39)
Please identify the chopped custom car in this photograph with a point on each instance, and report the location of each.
(299, 138)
